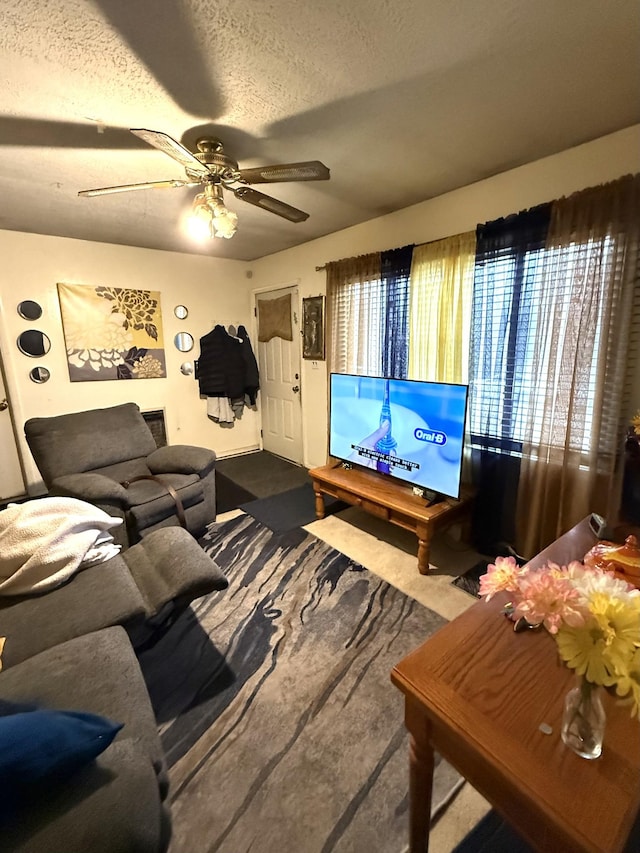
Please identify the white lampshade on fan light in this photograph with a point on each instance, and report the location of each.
(210, 218)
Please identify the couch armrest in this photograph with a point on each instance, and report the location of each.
(93, 488)
(181, 459)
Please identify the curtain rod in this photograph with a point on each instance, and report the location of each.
(415, 246)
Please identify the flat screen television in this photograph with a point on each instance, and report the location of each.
(405, 428)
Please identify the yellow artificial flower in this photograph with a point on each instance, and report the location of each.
(618, 620)
(585, 650)
(629, 683)
(635, 423)
(602, 648)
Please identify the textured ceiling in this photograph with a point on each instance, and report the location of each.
(401, 100)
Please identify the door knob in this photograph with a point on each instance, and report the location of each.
(295, 389)
(4, 405)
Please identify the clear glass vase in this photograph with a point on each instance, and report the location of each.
(583, 721)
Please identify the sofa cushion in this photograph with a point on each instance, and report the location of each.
(84, 441)
(152, 503)
(42, 746)
(94, 598)
(125, 470)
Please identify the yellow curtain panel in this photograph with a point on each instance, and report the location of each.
(441, 293)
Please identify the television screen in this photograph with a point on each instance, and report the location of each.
(402, 427)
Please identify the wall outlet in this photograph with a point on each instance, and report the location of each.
(314, 365)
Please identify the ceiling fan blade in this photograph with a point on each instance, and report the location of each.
(15, 130)
(149, 185)
(311, 170)
(271, 204)
(169, 146)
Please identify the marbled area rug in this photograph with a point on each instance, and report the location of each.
(281, 726)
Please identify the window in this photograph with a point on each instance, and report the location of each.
(525, 319)
(358, 313)
(552, 357)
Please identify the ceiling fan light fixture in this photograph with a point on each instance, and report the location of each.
(209, 217)
(199, 221)
(224, 222)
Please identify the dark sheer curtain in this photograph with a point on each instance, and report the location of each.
(508, 267)
(395, 269)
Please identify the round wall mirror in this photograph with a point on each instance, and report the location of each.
(39, 375)
(181, 312)
(34, 343)
(183, 341)
(29, 310)
(187, 368)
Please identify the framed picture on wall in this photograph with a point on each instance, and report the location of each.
(313, 328)
(112, 332)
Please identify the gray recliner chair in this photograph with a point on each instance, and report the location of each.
(108, 457)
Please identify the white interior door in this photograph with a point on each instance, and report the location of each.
(279, 365)
(11, 479)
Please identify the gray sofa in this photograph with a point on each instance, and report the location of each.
(89, 455)
(116, 803)
(72, 648)
(144, 589)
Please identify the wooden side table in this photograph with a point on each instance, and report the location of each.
(478, 693)
(394, 502)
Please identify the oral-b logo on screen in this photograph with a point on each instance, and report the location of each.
(433, 436)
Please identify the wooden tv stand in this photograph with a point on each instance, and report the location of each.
(394, 502)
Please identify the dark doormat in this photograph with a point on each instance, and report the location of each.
(230, 495)
(262, 474)
(290, 509)
(470, 580)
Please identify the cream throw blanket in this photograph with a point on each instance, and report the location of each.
(44, 541)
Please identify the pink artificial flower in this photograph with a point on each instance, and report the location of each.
(548, 597)
(504, 574)
(555, 569)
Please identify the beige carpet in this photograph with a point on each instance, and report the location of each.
(391, 553)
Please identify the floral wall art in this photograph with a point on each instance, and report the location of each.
(112, 332)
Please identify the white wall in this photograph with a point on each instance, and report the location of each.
(213, 290)
(461, 210)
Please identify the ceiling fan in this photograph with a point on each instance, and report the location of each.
(214, 169)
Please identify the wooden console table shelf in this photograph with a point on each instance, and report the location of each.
(394, 502)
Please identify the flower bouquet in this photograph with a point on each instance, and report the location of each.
(594, 618)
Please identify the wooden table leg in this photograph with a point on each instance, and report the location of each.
(424, 548)
(421, 764)
(319, 504)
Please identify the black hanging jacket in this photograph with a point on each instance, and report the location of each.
(251, 375)
(221, 365)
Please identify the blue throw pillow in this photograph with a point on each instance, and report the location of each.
(42, 747)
